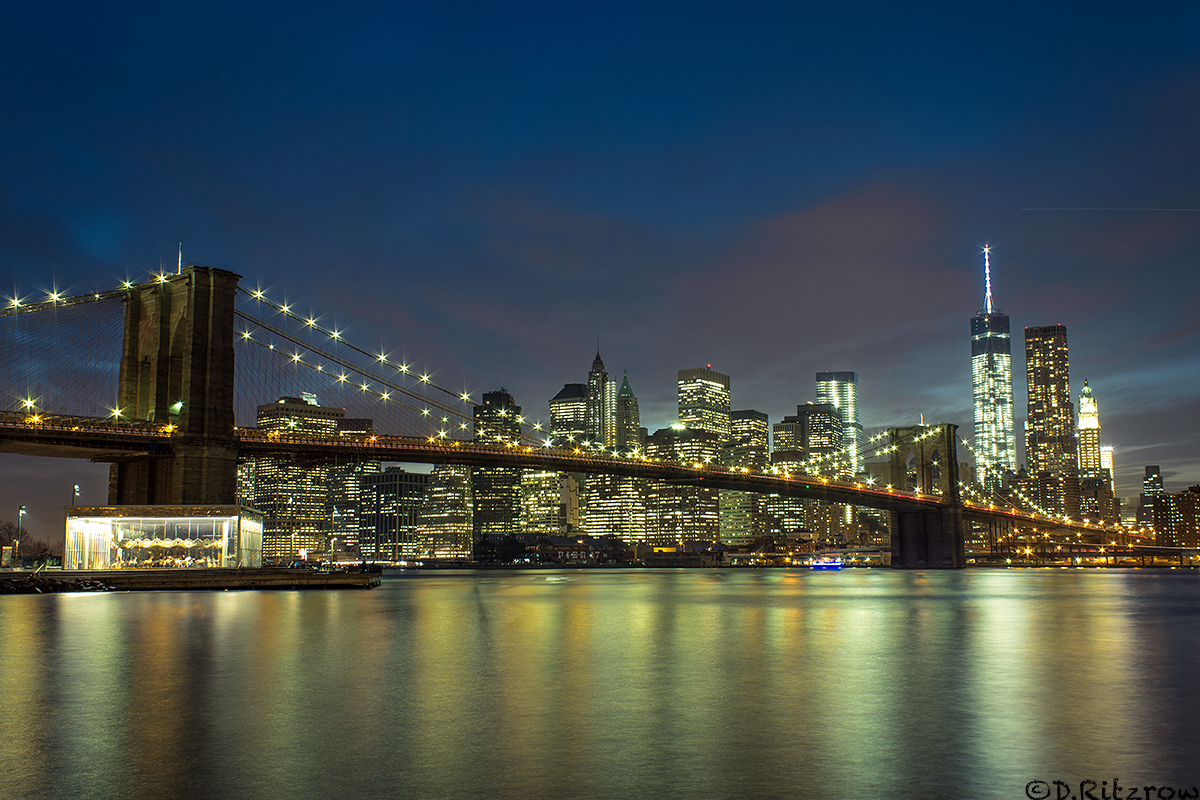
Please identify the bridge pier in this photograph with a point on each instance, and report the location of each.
(177, 369)
(934, 538)
(928, 539)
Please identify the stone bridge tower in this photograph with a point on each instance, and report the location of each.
(177, 369)
(930, 539)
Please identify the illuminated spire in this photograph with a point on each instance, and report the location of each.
(987, 279)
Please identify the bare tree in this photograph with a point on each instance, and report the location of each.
(8, 533)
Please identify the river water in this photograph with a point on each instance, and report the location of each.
(610, 684)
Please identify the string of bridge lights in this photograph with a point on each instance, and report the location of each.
(380, 359)
(995, 497)
(54, 299)
(57, 299)
(998, 498)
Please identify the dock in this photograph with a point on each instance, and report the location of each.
(212, 579)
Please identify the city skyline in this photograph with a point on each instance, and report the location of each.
(826, 376)
(489, 197)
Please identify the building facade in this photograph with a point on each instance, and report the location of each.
(614, 505)
(741, 515)
(1050, 440)
(496, 490)
(601, 405)
(704, 401)
(840, 390)
(291, 492)
(628, 419)
(1177, 518)
(569, 415)
(446, 517)
(390, 504)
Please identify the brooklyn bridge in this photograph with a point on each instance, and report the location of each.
(153, 378)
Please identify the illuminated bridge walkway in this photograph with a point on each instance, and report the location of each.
(154, 378)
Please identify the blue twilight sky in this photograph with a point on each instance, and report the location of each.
(773, 189)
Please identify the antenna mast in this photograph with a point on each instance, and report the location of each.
(987, 279)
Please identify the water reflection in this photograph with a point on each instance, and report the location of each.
(607, 684)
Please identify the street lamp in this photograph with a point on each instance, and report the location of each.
(75, 494)
(17, 542)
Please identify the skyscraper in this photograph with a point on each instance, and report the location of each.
(704, 401)
(805, 442)
(569, 415)
(1152, 483)
(496, 490)
(809, 442)
(601, 405)
(447, 512)
(748, 440)
(991, 382)
(541, 502)
(390, 507)
(613, 505)
(1152, 487)
(1107, 462)
(740, 514)
(628, 419)
(1050, 427)
(1089, 433)
(1050, 444)
(678, 512)
(840, 389)
(1097, 499)
(290, 494)
(344, 486)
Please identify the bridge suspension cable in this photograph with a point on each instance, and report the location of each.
(361, 369)
(61, 354)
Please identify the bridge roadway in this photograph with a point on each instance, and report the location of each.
(108, 440)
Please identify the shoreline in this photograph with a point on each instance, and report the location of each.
(212, 579)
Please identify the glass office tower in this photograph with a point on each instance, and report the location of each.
(991, 381)
(840, 390)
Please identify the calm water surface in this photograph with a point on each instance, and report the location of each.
(608, 684)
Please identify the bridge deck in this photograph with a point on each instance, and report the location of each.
(112, 440)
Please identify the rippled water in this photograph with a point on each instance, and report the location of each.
(608, 684)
